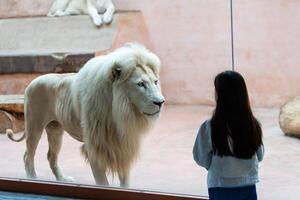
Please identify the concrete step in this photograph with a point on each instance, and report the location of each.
(11, 113)
(12, 103)
(30, 47)
(64, 44)
(45, 44)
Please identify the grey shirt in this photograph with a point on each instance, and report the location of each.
(226, 171)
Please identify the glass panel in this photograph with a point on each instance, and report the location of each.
(192, 40)
(266, 56)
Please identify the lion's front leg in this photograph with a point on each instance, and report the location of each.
(93, 13)
(58, 8)
(124, 179)
(99, 173)
(108, 15)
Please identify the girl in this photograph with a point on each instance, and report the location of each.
(229, 145)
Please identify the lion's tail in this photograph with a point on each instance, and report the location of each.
(10, 134)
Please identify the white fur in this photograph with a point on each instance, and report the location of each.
(99, 10)
(103, 105)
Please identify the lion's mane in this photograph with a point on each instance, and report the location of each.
(112, 126)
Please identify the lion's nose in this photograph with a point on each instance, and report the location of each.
(159, 103)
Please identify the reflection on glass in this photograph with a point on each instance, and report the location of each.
(192, 40)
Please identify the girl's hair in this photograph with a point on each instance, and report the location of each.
(234, 129)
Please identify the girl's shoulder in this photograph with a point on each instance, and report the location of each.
(206, 124)
(205, 128)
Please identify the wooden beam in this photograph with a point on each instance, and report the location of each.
(11, 113)
(86, 191)
(12, 103)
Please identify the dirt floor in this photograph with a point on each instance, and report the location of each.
(166, 162)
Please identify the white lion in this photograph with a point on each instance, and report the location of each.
(107, 105)
(99, 10)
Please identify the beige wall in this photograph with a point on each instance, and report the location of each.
(21, 8)
(193, 43)
(268, 48)
(192, 37)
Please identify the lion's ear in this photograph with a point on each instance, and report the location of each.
(116, 71)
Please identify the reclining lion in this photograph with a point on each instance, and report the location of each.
(99, 10)
(107, 105)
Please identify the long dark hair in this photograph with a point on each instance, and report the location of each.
(233, 121)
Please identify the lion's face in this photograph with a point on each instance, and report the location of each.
(144, 91)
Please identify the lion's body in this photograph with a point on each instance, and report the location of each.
(51, 93)
(95, 106)
(99, 10)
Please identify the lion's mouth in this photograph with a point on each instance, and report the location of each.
(151, 114)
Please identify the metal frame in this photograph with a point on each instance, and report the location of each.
(86, 191)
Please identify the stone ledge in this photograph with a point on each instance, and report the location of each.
(12, 103)
(130, 27)
(43, 45)
(11, 113)
(64, 44)
(42, 64)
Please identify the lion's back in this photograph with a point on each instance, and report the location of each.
(42, 85)
(42, 92)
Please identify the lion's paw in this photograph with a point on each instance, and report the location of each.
(107, 18)
(67, 179)
(59, 13)
(98, 21)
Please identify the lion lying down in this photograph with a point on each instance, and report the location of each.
(99, 10)
(107, 105)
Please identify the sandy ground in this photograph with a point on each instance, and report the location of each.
(166, 163)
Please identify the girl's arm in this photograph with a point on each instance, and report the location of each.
(202, 150)
(260, 153)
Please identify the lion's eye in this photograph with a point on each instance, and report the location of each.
(156, 82)
(141, 84)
